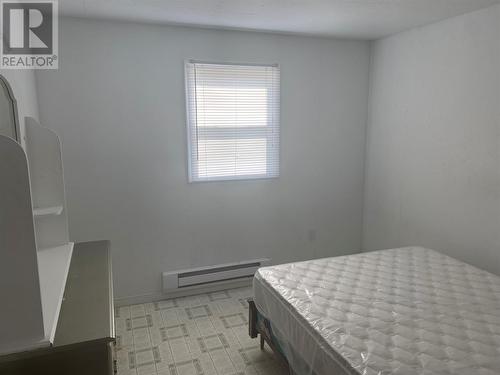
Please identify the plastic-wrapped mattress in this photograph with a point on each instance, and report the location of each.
(401, 311)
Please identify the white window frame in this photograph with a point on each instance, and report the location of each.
(274, 159)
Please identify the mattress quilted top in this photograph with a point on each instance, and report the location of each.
(402, 311)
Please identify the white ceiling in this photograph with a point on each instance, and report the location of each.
(363, 19)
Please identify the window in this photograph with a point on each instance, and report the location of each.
(233, 121)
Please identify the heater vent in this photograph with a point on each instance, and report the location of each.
(210, 275)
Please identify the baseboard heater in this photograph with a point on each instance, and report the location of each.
(204, 276)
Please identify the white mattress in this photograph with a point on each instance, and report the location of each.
(402, 311)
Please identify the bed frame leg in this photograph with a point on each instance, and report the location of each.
(264, 330)
(252, 319)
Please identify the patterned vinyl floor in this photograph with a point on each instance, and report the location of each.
(205, 334)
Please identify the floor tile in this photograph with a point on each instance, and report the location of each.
(205, 334)
(137, 311)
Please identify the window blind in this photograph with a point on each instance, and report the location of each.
(232, 120)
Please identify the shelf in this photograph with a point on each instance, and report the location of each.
(47, 211)
(53, 267)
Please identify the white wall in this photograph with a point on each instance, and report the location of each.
(433, 159)
(24, 88)
(117, 101)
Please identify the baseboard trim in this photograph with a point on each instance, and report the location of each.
(183, 292)
(135, 300)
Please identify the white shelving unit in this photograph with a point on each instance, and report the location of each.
(35, 251)
(53, 267)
